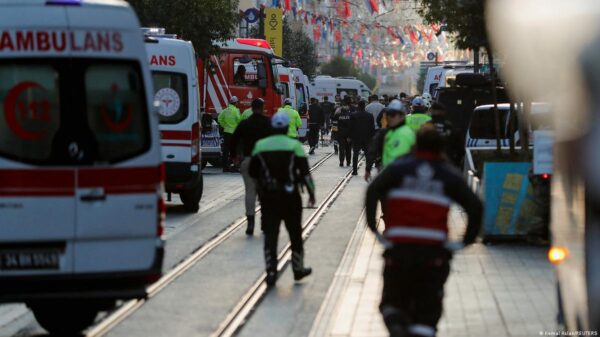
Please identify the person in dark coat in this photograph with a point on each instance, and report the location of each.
(362, 129)
(315, 122)
(328, 110)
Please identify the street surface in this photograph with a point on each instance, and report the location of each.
(505, 290)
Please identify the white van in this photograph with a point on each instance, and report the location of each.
(329, 86)
(81, 180)
(173, 65)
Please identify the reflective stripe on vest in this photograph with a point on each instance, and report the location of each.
(419, 196)
(415, 233)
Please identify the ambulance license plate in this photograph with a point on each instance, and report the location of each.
(34, 259)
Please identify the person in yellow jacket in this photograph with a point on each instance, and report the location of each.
(229, 118)
(295, 120)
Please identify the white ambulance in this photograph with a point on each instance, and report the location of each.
(294, 85)
(81, 182)
(173, 65)
(331, 87)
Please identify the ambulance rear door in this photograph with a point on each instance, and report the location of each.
(119, 188)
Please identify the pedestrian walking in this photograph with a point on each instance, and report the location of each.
(342, 118)
(328, 110)
(393, 142)
(374, 108)
(256, 127)
(280, 166)
(295, 120)
(315, 122)
(362, 130)
(419, 115)
(415, 194)
(228, 119)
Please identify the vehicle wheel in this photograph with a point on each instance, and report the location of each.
(191, 198)
(204, 163)
(216, 162)
(63, 318)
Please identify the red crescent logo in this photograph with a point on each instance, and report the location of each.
(117, 126)
(10, 113)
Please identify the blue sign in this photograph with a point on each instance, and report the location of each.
(251, 15)
(510, 206)
(431, 56)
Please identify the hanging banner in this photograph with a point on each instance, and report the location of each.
(274, 29)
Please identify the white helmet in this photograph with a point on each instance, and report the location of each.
(427, 96)
(396, 106)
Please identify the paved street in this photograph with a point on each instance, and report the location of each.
(495, 290)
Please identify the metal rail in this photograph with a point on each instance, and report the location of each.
(129, 307)
(244, 308)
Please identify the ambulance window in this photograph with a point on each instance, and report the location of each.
(366, 93)
(171, 94)
(245, 71)
(352, 92)
(116, 110)
(286, 90)
(30, 110)
(300, 98)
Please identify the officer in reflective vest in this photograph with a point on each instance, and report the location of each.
(294, 116)
(228, 119)
(391, 143)
(419, 115)
(280, 167)
(416, 193)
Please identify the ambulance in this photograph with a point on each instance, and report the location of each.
(173, 65)
(81, 180)
(331, 87)
(295, 87)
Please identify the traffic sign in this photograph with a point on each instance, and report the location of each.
(251, 15)
(431, 56)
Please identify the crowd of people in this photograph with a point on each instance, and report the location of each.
(412, 145)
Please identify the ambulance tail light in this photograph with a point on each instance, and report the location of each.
(255, 43)
(196, 143)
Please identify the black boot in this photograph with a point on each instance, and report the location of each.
(298, 266)
(271, 278)
(302, 273)
(250, 228)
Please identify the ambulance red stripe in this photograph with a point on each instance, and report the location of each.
(120, 180)
(175, 144)
(37, 182)
(175, 135)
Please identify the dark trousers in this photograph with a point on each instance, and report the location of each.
(274, 209)
(356, 147)
(335, 141)
(344, 150)
(313, 135)
(413, 288)
(225, 149)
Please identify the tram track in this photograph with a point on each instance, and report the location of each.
(242, 311)
(129, 307)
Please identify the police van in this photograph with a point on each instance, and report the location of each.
(81, 180)
(173, 65)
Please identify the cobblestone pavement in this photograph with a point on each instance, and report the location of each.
(493, 290)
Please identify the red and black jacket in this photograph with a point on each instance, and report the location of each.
(416, 192)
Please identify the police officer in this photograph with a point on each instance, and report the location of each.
(328, 110)
(251, 130)
(415, 193)
(391, 143)
(342, 119)
(247, 113)
(361, 131)
(280, 167)
(419, 115)
(228, 119)
(315, 121)
(295, 120)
